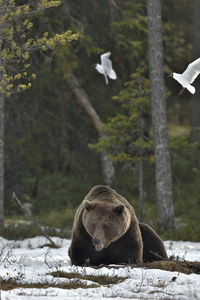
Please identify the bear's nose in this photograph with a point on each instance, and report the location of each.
(95, 241)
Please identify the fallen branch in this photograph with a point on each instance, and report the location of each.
(14, 197)
(186, 267)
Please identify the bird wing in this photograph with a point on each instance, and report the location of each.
(192, 71)
(99, 68)
(107, 54)
(112, 74)
(106, 62)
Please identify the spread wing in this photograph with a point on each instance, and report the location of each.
(112, 74)
(105, 55)
(106, 62)
(192, 71)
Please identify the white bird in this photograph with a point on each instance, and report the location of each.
(188, 76)
(106, 67)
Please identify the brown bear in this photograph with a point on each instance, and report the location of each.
(106, 231)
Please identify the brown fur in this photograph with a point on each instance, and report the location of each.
(106, 231)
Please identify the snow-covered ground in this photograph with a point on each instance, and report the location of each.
(28, 262)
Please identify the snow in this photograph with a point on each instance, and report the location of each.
(27, 262)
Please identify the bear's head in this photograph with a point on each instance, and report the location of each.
(105, 222)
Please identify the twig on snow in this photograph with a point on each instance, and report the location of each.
(14, 197)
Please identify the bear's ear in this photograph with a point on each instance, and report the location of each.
(88, 205)
(119, 209)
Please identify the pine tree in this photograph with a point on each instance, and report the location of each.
(127, 140)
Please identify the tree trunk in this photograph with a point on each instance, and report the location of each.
(195, 117)
(141, 155)
(13, 162)
(1, 133)
(141, 189)
(1, 154)
(82, 99)
(165, 208)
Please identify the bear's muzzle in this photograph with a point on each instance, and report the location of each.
(96, 243)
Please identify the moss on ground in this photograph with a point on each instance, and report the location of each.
(75, 283)
(186, 267)
(100, 279)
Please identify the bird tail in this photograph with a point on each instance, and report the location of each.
(106, 78)
(191, 88)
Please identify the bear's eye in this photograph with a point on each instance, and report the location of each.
(105, 226)
(93, 225)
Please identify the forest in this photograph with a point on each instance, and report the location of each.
(53, 148)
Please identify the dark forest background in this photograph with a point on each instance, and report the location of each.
(47, 159)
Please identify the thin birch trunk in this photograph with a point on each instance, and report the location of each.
(1, 155)
(165, 209)
(195, 117)
(1, 134)
(141, 189)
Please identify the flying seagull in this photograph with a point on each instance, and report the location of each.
(106, 67)
(188, 76)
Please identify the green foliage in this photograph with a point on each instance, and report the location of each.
(131, 30)
(187, 230)
(55, 223)
(16, 43)
(127, 132)
(182, 143)
(175, 22)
